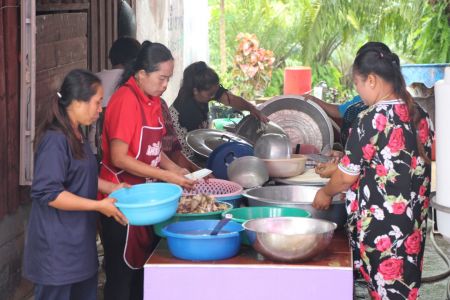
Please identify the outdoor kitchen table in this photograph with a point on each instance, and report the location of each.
(248, 276)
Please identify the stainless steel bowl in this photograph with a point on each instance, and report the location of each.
(289, 239)
(299, 197)
(248, 171)
(273, 146)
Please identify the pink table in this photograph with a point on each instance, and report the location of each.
(248, 276)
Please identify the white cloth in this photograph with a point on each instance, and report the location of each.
(110, 79)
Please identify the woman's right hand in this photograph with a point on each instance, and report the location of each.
(107, 207)
(181, 180)
(325, 170)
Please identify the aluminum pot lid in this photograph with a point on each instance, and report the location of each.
(222, 156)
(204, 141)
(302, 120)
(250, 128)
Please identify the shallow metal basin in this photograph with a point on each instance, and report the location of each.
(289, 239)
(299, 197)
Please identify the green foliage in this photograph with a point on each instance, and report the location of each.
(325, 34)
(432, 40)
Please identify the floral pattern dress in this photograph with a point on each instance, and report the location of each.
(388, 204)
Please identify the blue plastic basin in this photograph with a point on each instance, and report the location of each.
(190, 240)
(148, 203)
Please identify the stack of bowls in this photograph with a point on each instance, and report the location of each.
(276, 152)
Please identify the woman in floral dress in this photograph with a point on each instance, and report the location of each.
(386, 173)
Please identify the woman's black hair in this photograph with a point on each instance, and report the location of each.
(78, 85)
(124, 50)
(148, 59)
(199, 76)
(386, 64)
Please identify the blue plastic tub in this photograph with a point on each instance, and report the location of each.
(148, 203)
(190, 240)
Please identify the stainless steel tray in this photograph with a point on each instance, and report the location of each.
(302, 120)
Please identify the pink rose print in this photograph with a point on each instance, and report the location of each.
(368, 151)
(414, 162)
(401, 110)
(355, 185)
(354, 205)
(422, 190)
(413, 243)
(383, 243)
(380, 122)
(426, 203)
(423, 131)
(391, 269)
(345, 160)
(398, 208)
(381, 170)
(375, 295)
(396, 140)
(413, 293)
(358, 225)
(362, 249)
(364, 274)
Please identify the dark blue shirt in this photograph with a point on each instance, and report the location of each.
(60, 246)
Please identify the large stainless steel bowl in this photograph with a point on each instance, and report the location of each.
(289, 239)
(297, 196)
(273, 146)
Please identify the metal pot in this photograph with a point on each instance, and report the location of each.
(299, 197)
(248, 171)
(273, 146)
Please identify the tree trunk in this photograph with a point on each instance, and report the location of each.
(223, 45)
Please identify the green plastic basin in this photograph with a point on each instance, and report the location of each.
(243, 214)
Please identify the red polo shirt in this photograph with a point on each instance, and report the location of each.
(123, 119)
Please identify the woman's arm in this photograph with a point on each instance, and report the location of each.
(169, 165)
(121, 160)
(338, 183)
(71, 202)
(240, 103)
(332, 110)
(180, 159)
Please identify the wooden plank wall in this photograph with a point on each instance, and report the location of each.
(10, 194)
(103, 18)
(70, 34)
(61, 45)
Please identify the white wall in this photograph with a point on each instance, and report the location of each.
(181, 25)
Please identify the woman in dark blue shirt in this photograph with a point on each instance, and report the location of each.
(60, 249)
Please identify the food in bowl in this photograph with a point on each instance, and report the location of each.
(200, 203)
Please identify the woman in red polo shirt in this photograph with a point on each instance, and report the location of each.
(131, 142)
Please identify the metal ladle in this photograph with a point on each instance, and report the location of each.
(221, 223)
